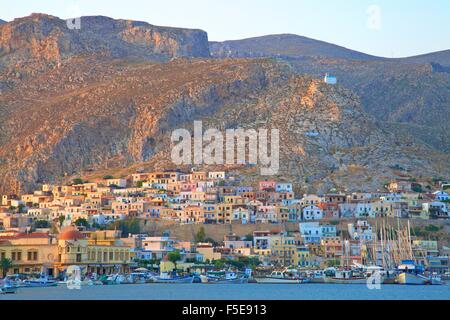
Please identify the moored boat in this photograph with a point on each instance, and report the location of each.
(411, 274)
(317, 276)
(6, 287)
(165, 277)
(42, 281)
(345, 277)
(226, 277)
(282, 277)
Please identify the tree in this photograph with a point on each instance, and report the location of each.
(249, 237)
(82, 222)
(108, 177)
(5, 265)
(127, 226)
(77, 181)
(219, 264)
(174, 257)
(200, 235)
(61, 220)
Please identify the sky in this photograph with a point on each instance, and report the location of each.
(388, 28)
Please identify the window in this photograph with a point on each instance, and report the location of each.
(32, 256)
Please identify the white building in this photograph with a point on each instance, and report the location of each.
(364, 210)
(329, 79)
(312, 213)
(441, 196)
(313, 232)
(362, 230)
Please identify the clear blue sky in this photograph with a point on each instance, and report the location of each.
(405, 28)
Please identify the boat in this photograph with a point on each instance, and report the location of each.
(377, 274)
(42, 281)
(6, 287)
(138, 278)
(286, 276)
(226, 277)
(436, 280)
(113, 279)
(165, 277)
(411, 274)
(15, 280)
(345, 277)
(317, 276)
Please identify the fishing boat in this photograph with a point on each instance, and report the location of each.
(42, 281)
(282, 277)
(165, 277)
(137, 278)
(15, 280)
(113, 279)
(411, 274)
(6, 287)
(436, 280)
(226, 277)
(317, 276)
(345, 277)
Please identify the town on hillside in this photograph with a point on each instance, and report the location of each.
(102, 228)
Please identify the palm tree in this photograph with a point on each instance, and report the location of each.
(5, 265)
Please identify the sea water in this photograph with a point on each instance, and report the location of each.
(233, 292)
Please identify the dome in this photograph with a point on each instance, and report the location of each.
(70, 233)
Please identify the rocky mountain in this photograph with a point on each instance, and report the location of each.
(41, 38)
(2, 21)
(94, 115)
(411, 94)
(284, 45)
(441, 57)
(107, 97)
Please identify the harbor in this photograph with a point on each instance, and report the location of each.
(308, 291)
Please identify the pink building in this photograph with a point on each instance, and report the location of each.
(267, 185)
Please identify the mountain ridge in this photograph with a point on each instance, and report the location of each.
(44, 38)
(108, 96)
(242, 46)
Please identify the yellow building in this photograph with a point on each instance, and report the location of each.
(303, 257)
(29, 253)
(102, 252)
(224, 213)
(283, 250)
(207, 250)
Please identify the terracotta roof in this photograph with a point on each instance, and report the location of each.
(25, 236)
(70, 233)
